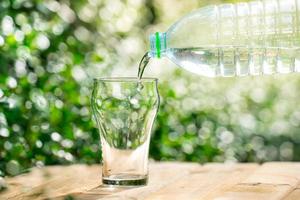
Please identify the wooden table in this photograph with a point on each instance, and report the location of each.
(168, 180)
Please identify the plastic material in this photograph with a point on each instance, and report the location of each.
(260, 37)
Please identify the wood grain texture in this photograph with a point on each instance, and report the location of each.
(204, 182)
(168, 180)
(161, 175)
(269, 181)
(52, 181)
(294, 195)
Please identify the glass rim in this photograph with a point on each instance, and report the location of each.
(125, 79)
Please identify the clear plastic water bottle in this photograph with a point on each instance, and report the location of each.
(260, 37)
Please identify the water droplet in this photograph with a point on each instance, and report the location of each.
(140, 87)
(134, 101)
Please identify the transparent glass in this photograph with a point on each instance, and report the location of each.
(125, 109)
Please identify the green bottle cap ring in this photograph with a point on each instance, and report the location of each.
(157, 40)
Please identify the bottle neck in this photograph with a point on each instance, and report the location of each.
(158, 44)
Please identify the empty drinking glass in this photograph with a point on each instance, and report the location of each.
(125, 109)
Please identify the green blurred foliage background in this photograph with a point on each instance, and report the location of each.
(51, 50)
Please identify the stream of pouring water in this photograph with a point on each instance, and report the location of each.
(143, 63)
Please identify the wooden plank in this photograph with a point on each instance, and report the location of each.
(82, 182)
(203, 182)
(257, 192)
(161, 175)
(294, 195)
(277, 173)
(167, 181)
(56, 180)
(270, 181)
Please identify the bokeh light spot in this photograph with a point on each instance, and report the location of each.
(7, 25)
(42, 42)
(1, 41)
(11, 82)
(4, 132)
(55, 136)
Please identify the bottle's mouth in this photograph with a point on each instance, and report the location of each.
(158, 44)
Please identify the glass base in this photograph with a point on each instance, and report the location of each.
(125, 180)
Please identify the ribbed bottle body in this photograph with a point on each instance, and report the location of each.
(260, 37)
